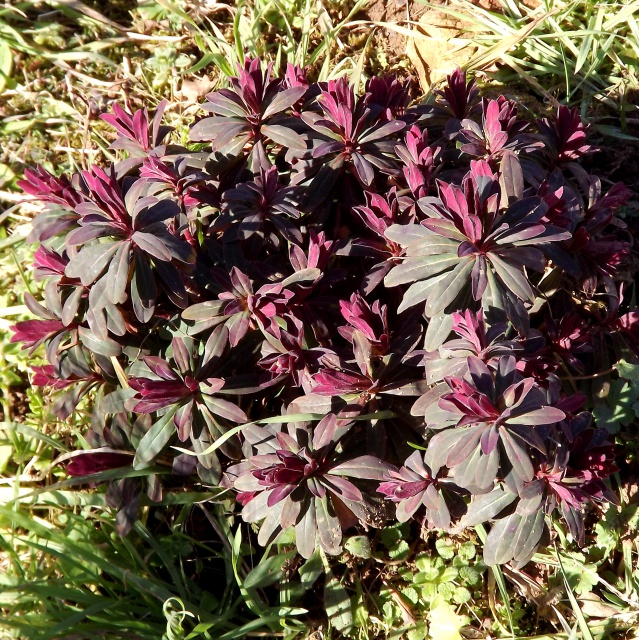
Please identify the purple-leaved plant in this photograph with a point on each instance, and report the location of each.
(327, 281)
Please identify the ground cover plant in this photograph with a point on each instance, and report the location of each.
(343, 308)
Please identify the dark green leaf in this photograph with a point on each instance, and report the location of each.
(267, 572)
(337, 603)
(485, 507)
(512, 177)
(284, 136)
(155, 439)
(513, 538)
(104, 347)
(143, 289)
(117, 276)
(90, 262)
(449, 287)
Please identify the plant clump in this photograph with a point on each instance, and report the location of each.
(346, 308)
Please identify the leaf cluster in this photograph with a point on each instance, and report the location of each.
(325, 279)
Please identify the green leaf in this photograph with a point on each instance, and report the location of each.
(410, 593)
(6, 454)
(445, 624)
(512, 178)
(284, 136)
(470, 575)
(399, 551)
(418, 632)
(449, 287)
(416, 293)
(446, 590)
(500, 580)
(627, 371)
(328, 527)
(118, 274)
(104, 347)
(268, 571)
(487, 506)
(581, 575)
(143, 289)
(445, 548)
(607, 537)
(513, 537)
(438, 329)
(6, 174)
(466, 551)
(462, 595)
(424, 562)
(622, 404)
(512, 277)
(91, 261)
(155, 439)
(581, 621)
(448, 574)
(613, 132)
(311, 570)
(6, 64)
(421, 268)
(337, 603)
(392, 534)
(17, 126)
(359, 546)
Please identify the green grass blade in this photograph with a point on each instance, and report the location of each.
(583, 625)
(501, 582)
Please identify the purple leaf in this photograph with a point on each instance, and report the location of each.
(151, 245)
(342, 487)
(365, 467)
(284, 136)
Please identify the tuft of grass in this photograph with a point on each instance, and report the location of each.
(68, 574)
(300, 32)
(577, 52)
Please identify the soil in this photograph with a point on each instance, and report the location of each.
(117, 10)
(617, 161)
(403, 12)
(395, 11)
(18, 402)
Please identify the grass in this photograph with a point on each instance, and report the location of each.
(182, 573)
(577, 52)
(69, 574)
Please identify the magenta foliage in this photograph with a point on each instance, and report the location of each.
(565, 135)
(296, 479)
(412, 486)
(398, 274)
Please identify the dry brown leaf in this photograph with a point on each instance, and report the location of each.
(435, 48)
(593, 606)
(435, 51)
(194, 90)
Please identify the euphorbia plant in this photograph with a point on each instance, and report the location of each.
(401, 275)
(296, 479)
(495, 414)
(479, 238)
(186, 391)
